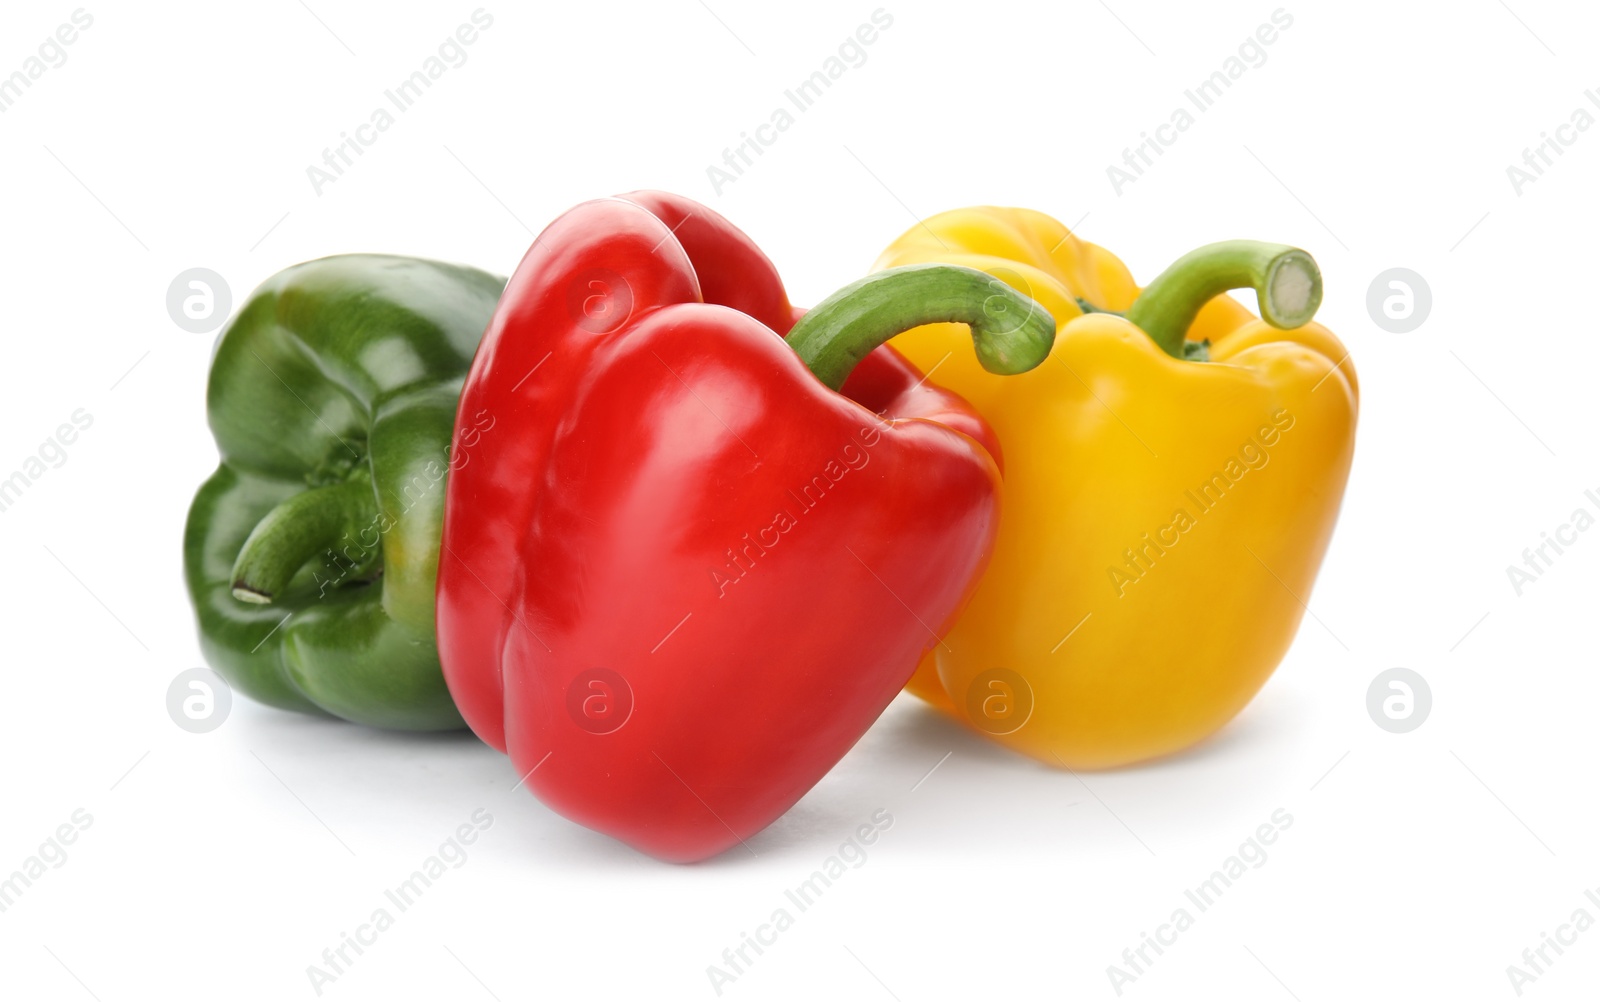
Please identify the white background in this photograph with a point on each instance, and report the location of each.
(1376, 135)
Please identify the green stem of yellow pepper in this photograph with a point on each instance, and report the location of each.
(1011, 332)
(1287, 281)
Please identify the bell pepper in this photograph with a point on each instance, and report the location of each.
(1173, 478)
(310, 554)
(690, 572)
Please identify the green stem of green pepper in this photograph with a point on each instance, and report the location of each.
(1287, 281)
(1011, 332)
(297, 530)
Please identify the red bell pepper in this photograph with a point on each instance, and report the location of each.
(688, 575)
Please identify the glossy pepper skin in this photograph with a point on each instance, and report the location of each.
(688, 575)
(1135, 602)
(310, 554)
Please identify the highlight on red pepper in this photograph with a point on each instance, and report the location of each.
(699, 560)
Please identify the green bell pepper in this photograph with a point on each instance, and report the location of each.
(311, 553)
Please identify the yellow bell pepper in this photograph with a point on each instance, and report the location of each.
(1173, 473)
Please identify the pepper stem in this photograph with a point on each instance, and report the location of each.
(1287, 282)
(1010, 332)
(298, 529)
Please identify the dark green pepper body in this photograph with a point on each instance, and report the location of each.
(311, 553)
